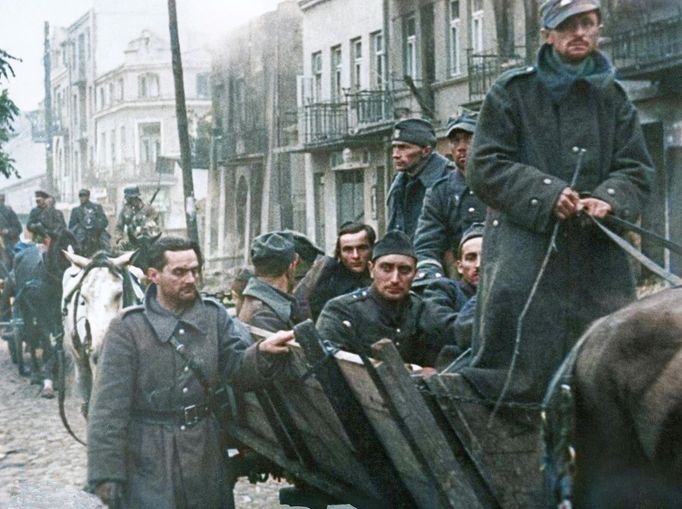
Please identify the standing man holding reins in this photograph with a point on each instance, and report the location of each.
(541, 127)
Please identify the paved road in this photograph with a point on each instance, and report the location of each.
(42, 467)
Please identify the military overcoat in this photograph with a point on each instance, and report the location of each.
(524, 153)
(268, 308)
(163, 463)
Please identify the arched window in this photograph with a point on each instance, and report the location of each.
(148, 85)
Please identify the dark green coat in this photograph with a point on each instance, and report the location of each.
(357, 320)
(521, 159)
(268, 308)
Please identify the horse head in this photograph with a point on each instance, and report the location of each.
(95, 290)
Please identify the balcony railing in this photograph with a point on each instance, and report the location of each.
(370, 107)
(325, 122)
(644, 52)
(485, 68)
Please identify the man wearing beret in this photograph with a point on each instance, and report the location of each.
(540, 129)
(450, 207)
(89, 225)
(387, 309)
(418, 167)
(268, 303)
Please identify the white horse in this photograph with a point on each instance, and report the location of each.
(95, 290)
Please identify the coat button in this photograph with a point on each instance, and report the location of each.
(547, 181)
(186, 369)
(398, 331)
(471, 210)
(183, 427)
(611, 191)
(471, 193)
(181, 331)
(185, 390)
(496, 222)
(534, 202)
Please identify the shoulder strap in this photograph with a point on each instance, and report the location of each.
(191, 364)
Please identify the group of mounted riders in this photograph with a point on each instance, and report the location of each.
(31, 270)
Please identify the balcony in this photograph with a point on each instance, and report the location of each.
(649, 52)
(485, 68)
(368, 107)
(325, 122)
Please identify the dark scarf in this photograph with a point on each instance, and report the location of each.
(559, 76)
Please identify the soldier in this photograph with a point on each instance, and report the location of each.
(10, 227)
(44, 218)
(89, 225)
(152, 438)
(542, 127)
(418, 167)
(386, 309)
(136, 221)
(268, 303)
(347, 271)
(450, 207)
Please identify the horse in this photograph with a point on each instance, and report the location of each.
(95, 290)
(36, 286)
(625, 378)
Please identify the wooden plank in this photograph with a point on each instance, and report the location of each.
(507, 449)
(368, 447)
(457, 486)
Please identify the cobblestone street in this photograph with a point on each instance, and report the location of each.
(42, 467)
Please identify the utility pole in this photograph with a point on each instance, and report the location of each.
(183, 134)
(47, 66)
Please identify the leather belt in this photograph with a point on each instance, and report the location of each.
(187, 416)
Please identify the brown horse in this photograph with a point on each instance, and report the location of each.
(627, 380)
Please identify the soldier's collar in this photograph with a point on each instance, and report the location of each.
(165, 323)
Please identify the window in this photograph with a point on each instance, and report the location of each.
(454, 38)
(112, 93)
(356, 69)
(121, 89)
(101, 98)
(378, 61)
(350, 196)
(410, 45)
(150, 142)
(203, 89)
(103, 148)
(122, 143)
(336, 70)
(477, 26)
(112, 142)
(317, 76)
(148, 85)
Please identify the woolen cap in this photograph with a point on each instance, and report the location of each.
(416, 131)
(394, 242)
(41, 194)
(84, 192)
(131, 192)
(272, 246)
(474, 230)
(465, 122)
(555, 12)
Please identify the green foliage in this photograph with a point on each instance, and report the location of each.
(8, 111)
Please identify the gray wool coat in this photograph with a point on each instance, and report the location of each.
(139, 376)
(521, 159)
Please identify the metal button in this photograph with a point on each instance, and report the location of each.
(471, 210)
(181, 331)
(496, 222)
(398, 331)
(534, 202)
(529, 68)
(611, 191)
(185, 390)
(576, 149)
(186, 369)
(183, 427)
(547, 181)
(471, 193)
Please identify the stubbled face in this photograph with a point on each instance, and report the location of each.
(392, 276)
(83, 198)
(40, 202)
(407, 156)
(470, 261)
(354, 251)
(576, 37)
(459, 148)
(177, 281)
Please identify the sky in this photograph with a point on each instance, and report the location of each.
(22, 25)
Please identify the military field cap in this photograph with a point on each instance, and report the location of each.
(474, 230)
(416, 131)
(131, 192)
(41, 194)
(394, 242)
(84, 192)
(465, 122)
(272, 246)
(555, 12)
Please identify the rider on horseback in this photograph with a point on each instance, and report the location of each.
(89, 224)
(136, 221)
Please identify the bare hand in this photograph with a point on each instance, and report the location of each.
(567, 204)
(109, 492)
(276, 344)
(595, 207)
